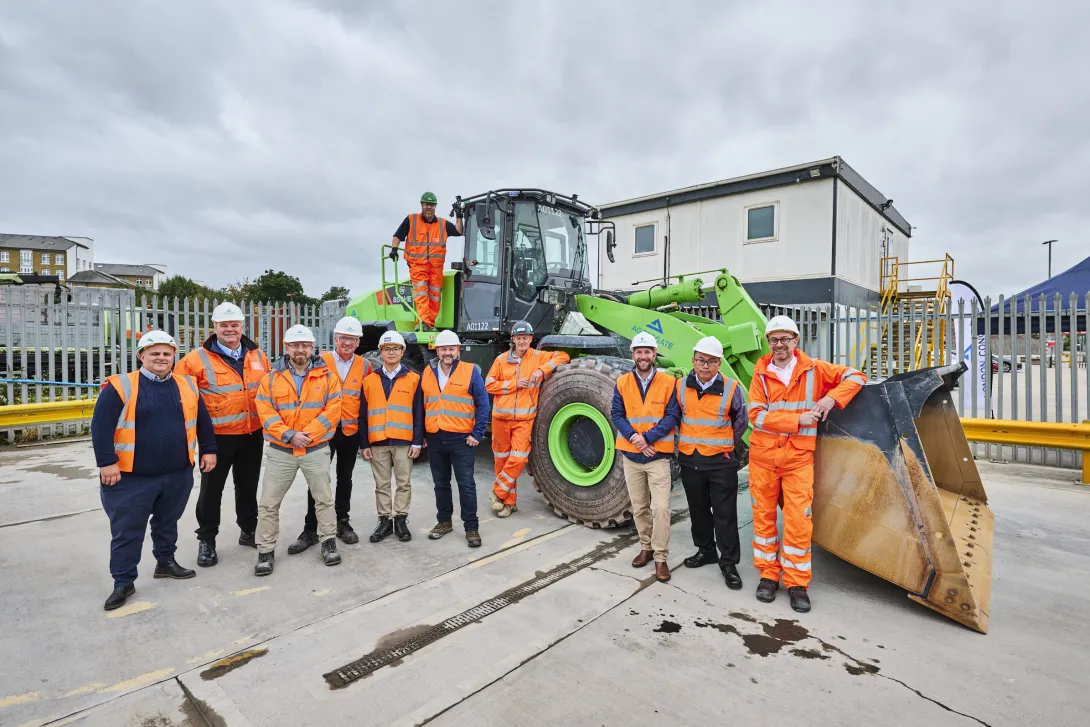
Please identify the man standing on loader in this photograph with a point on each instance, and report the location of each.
(425, 237)
(789, 394)
(645, 412)
(515, 381)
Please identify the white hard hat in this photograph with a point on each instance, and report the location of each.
(447, 338)
(709, 345)
(153, 337)
(299, 334)
(227, 312)
(390, 338)
(643, 339)
(349, 326)
(781, 323)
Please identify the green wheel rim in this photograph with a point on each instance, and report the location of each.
(566, 464)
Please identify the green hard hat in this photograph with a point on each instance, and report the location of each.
(522, 328)
(428, 198)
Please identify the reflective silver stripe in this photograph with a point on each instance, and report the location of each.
(804, 566)
(350, 392)
(766, 541)
(503, 485)
(430, 414)
(311, 405)
(229, 419)
(501, 454)
(515, 412)
(349, 421)
(332, 395)
(456, 414)
(506, 476)
(270, 438)
(253, 385)
(399, 408)
(125, 447)
(430, 399)
(850, 372)
(190, 423)
(455, 399)
(856, 378)
(808, 431)
(287, 406)
(761, 555)
(376, 412)
(516, 453)
(212, 386)
(399, 425)
(790, 406)
(122, 424)
(643, 420)
(698, 422)
(326, 437)
(725, 442)
(323, 421)
(265, 399)
(760, 422)
(270, 421)
(794, 551)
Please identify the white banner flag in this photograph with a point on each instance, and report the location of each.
(968, 339)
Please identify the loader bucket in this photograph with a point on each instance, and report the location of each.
(897, 493)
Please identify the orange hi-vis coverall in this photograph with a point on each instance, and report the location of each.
(425, 252)
(513, 413)
(781, 460)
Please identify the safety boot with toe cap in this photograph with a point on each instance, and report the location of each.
(733, 580)
(329, 552)
(766, 590)
(248, 539)
(206, 553)
(473, 538)
(265, 564)
(346, 533)
(441, 529)
(401, 528)
(800, 599)
(384, 528)
(306, 539)
(497, 503)
(507, 511)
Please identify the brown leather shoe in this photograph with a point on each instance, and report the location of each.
(643, 558)
(662, 571)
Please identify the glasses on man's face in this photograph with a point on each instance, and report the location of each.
(706, 362)
(781, 341)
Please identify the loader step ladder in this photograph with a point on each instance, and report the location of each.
(912, 323)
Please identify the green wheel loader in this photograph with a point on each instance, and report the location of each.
(904, 503)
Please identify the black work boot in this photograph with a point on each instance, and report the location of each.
(733, 580)
(206, 553)
(346, 533)
(329, 552)
(766, 590)
(306, 539)
(701, 558)
(384, 528)
(265, 563)
(401, 527)
(171, 569)
(118, 597)
(247, 538)
(800, 599)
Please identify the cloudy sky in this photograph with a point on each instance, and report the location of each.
(225, 137)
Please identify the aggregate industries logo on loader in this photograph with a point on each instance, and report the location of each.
(655, 329)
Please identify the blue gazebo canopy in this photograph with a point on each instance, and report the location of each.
(1073, 280)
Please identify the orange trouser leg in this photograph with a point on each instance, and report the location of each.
(516, 450)
(420, 273)
(501, 447)
(798, 527)
(764, 495)
(435, 291)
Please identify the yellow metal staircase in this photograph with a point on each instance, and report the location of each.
(912, 323)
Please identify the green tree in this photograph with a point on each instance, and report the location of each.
(179, 286)
(277, 286)
(334, 293)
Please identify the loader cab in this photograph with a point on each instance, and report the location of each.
(520, 244)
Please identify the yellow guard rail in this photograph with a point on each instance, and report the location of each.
(1033, 434)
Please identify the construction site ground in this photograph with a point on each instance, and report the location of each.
(594, 642)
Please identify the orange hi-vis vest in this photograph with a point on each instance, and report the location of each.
(705, 420)
(316, 412)
(351, 388)
(392, 417)
(228, 398)
(452, 409)
(644, 413)
(127, 386)
(427, 241)
(513, 403)
(774, 409)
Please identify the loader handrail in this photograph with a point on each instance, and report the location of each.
(397, 286)
(1054, 435)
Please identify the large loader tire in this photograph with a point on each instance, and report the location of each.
(573, 460)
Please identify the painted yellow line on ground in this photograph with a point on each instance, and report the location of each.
(80, 691)
(243, 640)
(323, 592)
(206, 656)
(19, 699)
(130, 608)
(251, 591)
(141, 681)
(33, 723)
(519, 548)
(517, 537)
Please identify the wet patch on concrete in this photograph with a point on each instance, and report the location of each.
(808, 654)
(64, 471)
(395, 639)
(229, 664)
(197, 712)
(668, 627)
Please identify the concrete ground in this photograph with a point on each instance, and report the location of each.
(605, 645)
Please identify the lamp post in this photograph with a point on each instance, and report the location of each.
(1049, 243)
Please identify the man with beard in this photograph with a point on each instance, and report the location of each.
(425, 237)
(300, 407)
(645, 413)
(228, 369)
(456, 413)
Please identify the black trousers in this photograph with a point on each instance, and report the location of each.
(713, 511)
(344, 449)
(239, 454)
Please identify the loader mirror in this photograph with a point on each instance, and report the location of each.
(610, 244)
(485, 220)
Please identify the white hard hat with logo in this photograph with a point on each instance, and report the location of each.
(349, 326)
(391, 338)
(152, 338)
(227, 312)
(710, 346)
(781, 323)
(299, 334)
(447, 338)
(643, 339)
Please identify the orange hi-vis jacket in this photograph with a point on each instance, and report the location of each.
(510, 402)
(705, 420)
(351, 389)
(427, 241)
(390, 418)
(774, 409)
(644, 413)
(127, 386)
(228, 398)
(452, 409)
(316, 412)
